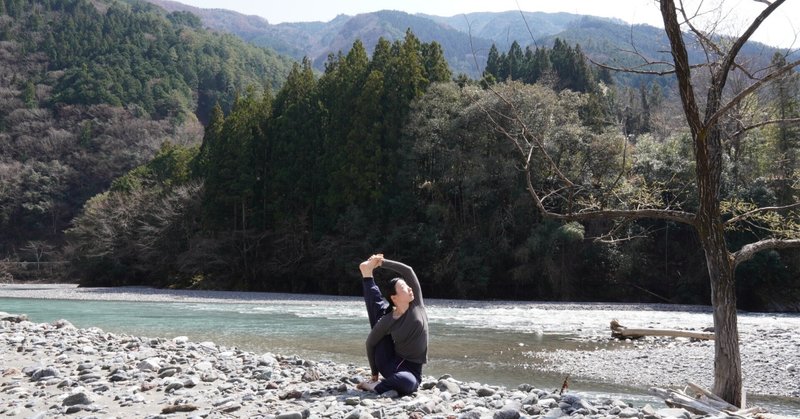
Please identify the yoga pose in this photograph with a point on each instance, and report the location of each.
(397, 346)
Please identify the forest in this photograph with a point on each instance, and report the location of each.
(190, 159)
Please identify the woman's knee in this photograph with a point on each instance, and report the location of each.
(406, 383)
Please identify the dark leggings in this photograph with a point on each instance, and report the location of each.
(398, 374)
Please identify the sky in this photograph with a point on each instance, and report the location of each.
(778, 30)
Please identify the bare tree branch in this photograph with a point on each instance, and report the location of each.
(634, 69)
(635, 214)
(742, 40)
(749, 250)
(757, 211)
(790, 121)
(682, 67)
(750, 89)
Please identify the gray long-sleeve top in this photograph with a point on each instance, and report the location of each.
(409, 331)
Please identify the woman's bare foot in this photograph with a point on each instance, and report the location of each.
(367, 385)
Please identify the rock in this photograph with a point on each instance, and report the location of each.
(448, 386)
(506, 414)
(310, 375)
(290, 415)
(45, 373)
(76, 399)
(63, 324)
(73, 409)
(673, 413)
(554, 413)
(485, 392)
(118, 376)
(150, 364)
(391, 394)
(175, 385)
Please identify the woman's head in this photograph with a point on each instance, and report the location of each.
(399, 293)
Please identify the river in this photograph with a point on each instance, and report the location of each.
(488, 342)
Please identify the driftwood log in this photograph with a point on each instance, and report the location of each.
(698, 400)
(621, 332)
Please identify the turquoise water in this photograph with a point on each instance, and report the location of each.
(472, 341)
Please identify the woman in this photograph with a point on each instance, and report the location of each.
(397, 346)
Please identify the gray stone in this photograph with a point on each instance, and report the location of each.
(85, 366)
(448, 386)
(673, 413)
(101, 388)
(74, 409)
(354, 414)
(262, 374)
(485, 392)
(530, 399)
(391, 394)
(150, 364)
(554, 413)
(118, 376)
(506, 414)
(173, 386)
(629, 413)
(75, 399)
(290, 415)
(89, 378)
(45, 373)
(525, 388)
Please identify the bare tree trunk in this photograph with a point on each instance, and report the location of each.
(727, 360)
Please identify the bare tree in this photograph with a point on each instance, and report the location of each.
(707, 106)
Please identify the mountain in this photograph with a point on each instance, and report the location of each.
(465, 38)
(505, 27)
(316, 40)
(90, 89)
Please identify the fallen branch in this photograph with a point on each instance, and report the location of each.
(621, 332)
(704, 402)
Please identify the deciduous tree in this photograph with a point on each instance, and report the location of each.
(567, 195)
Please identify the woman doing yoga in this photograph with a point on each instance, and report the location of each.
(397, 346)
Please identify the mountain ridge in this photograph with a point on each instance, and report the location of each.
(466, 39)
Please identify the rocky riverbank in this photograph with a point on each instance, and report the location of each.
(57, 370)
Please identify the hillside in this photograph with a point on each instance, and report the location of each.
(465, 38)
(92, 89)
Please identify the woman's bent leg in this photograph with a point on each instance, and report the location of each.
(377, 307)
(405, 380)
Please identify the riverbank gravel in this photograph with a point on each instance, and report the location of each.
(53, 370)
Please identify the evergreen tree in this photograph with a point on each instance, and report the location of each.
(294, 136)
(436, 68)
(516, 61)
(29, 95)
(786, 93)
(493, 63)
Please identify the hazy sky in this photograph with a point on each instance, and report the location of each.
(777, 30)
